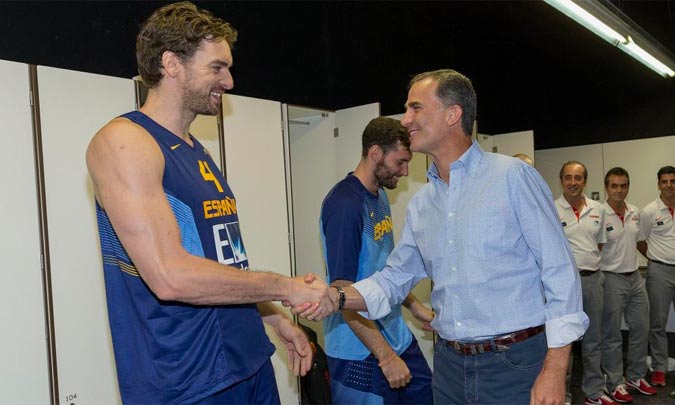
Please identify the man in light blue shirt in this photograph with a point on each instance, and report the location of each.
(485, 230)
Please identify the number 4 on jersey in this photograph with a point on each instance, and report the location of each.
(207, 174)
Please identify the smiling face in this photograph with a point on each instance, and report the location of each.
(617, 190)
(667, 186)
(573, 181)
(206, 77)
(425, 118)
(391, 166)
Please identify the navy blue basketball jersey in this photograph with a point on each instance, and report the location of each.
(357, 236)
(172, 352)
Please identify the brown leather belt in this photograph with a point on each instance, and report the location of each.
(499, 343)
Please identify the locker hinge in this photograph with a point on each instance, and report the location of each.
(336, 132)
(30, 96)
(494, 149)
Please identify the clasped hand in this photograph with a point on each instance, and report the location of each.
(311, 298)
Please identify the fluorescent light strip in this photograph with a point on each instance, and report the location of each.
(625, 43)
(631, 48)
(583, 17)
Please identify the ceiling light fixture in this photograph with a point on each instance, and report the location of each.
(610, 24)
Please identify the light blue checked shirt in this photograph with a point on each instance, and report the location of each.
(492, 243)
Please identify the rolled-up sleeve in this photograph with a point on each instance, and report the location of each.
(375, 298)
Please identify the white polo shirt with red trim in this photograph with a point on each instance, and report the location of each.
(619, 254)
(583, 233)
(657, 228)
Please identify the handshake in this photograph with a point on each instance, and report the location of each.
(311, 298)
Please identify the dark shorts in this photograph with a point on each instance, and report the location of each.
(362, 382)
(261, 388)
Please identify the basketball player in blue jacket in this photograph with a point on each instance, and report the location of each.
(185, 314)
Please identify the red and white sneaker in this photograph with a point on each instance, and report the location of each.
(642, 386)
(658, 379)
(620, 394)
(602, 400)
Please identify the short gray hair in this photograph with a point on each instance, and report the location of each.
(453, 89)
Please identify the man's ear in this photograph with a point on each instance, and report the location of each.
(453, 115)
(171, 63)
(375, 153)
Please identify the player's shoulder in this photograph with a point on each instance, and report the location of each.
(346, 194)
(123, 142)
(119, 133)
(120, 128)
(651, 208)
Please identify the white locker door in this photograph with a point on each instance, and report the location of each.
(486, 142)
(254, 159)
(515, 142)
(73, 106)
(24, 377)
(311, 151)
(350, 123)
(312, 166)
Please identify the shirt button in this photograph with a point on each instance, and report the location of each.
(454, 269)
(451, 214)
(451, 242)
(459, 324)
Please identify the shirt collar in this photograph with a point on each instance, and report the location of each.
(363, 188)
(610, 211)
(565, 204)
(659, 203)
(469, 161)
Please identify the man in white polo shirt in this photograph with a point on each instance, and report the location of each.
(625, 293)
(583, 221)
(657, 243)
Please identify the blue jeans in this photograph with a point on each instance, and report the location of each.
(500, 378)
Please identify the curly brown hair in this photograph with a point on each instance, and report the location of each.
(179, 28)
(386, 133)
